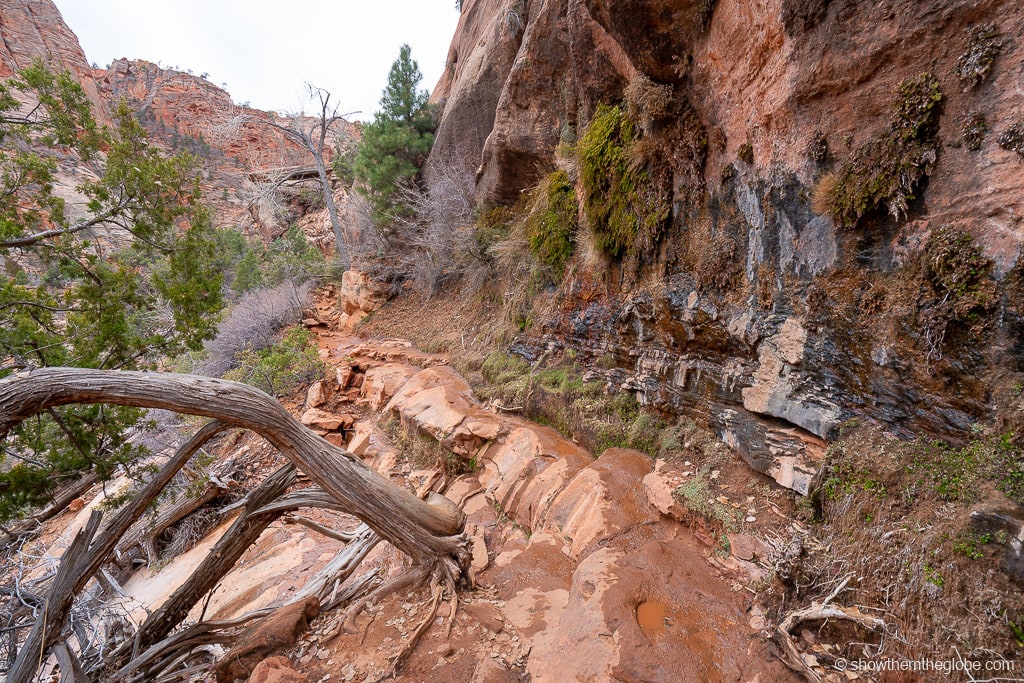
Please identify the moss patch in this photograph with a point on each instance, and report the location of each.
(625, 207)
(552, 221)
(886, 171)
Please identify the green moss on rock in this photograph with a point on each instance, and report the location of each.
(552, 222)
(623, 205)
(886, 171)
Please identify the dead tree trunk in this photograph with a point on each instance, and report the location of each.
(219, 561)
(82, 560)
(428, 533)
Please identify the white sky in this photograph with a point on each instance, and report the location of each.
(267, 51)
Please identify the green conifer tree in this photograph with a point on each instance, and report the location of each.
(395, 145)
(120, 283)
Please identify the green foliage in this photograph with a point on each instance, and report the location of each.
(697, 494)
(552, 221)
(395, 145)
(955, 266)
(76, 300)
(279, 368)
(956, 474)
(252, 265)
(845, 478)
(969, 544)
(886, 171)
(624, 206)
(490, 228)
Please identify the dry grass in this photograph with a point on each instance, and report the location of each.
(911, 554)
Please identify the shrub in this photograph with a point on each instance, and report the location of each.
(957, 269)
(625, 208)
(1012, 139)
(886, 171)
(746, 153)
(647, 101)
(279, 368)
(252, 324)
(551, 223)
(982, 47)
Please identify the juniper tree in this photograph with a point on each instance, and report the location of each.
(117, 276)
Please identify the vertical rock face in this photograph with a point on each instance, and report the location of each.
(34, 29)
(759, 314)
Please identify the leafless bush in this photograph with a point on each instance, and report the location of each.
(435, 242)
(252, 324)
(648, 101)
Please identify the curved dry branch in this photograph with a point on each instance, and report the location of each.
(426, 532)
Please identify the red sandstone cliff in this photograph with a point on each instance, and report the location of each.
(811, 323)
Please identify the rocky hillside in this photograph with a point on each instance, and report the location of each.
(844, 189)
(181, 111)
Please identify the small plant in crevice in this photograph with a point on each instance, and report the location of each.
(817, 148)
(746, 153)
(886, 171)
(973, 128)
(959, 275)
(982, 45)
(552, 221)
(1012, 139)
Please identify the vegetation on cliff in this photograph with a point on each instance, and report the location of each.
(624, 207)
(886, 171)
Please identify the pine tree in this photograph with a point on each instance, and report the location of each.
(126, 284)
(395, 145)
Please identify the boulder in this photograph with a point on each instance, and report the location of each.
(361, 295)
(380, 383)
(315, 418)
(276, 669)
(525, 472)
(316, 395)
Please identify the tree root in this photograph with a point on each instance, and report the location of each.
(410, 579)
(437, 591)
(818, 612)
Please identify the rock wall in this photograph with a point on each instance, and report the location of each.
(31, 30)
(759, 315)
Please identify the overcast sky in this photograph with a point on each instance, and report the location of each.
(267, 51)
